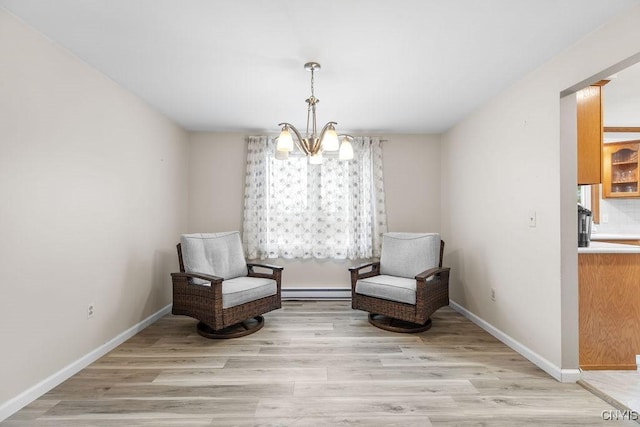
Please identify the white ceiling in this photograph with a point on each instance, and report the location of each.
(621, 98)
(404, 66)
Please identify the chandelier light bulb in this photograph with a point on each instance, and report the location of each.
(285, 141)
(282, 155)
(330, 140)
(346, 150)
(316, 159)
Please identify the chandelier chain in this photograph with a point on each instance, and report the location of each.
(311, 109)
(308, 117)
(312, 94)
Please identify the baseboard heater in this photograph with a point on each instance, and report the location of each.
(316, 293)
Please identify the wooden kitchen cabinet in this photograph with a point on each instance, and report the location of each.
(589, 122)
(609, 310)
(621, 177)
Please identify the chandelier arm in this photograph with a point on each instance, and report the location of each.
(298, 139)
(316, 146)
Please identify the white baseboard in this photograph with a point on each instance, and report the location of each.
(12, 406)
(316, 293)
(570, 375)
(562, 375)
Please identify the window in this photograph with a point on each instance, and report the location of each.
(296, 210)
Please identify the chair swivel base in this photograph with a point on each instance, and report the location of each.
(396, 325)
(241, 329)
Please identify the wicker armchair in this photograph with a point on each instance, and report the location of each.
(407, 285)
(219, 288)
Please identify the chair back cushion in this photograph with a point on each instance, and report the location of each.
(409, 254)
(217, 254)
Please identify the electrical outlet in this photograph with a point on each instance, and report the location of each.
(605, 218)
(493, 294)
(90, 310)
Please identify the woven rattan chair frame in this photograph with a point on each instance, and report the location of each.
(430, 295)
(205, 302)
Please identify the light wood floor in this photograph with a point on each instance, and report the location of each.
(315, 363)
(620, 388)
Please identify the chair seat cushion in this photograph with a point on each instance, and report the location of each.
(391, 288)
(246, 289)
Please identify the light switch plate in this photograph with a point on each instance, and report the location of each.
(532, 219)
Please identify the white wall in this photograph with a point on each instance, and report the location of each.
(94, 193)
(500, 164)
(216, 183)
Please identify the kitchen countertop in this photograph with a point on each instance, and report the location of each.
(615, 236)
(609, 248)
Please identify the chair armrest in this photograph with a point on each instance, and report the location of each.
(250, 266)
(276, 271)
(207, 277)
(361, 266)
(373, 266)
(431, 272)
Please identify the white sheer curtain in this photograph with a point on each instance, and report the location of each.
(296, 210)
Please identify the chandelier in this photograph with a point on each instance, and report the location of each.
(313, 144)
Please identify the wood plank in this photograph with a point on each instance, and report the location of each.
(195, 391)
(238, 375)
(347, 388)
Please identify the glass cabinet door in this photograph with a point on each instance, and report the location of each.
(621, 170)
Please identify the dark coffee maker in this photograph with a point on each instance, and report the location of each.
(584, 227)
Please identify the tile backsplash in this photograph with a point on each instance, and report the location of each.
(623, 216)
